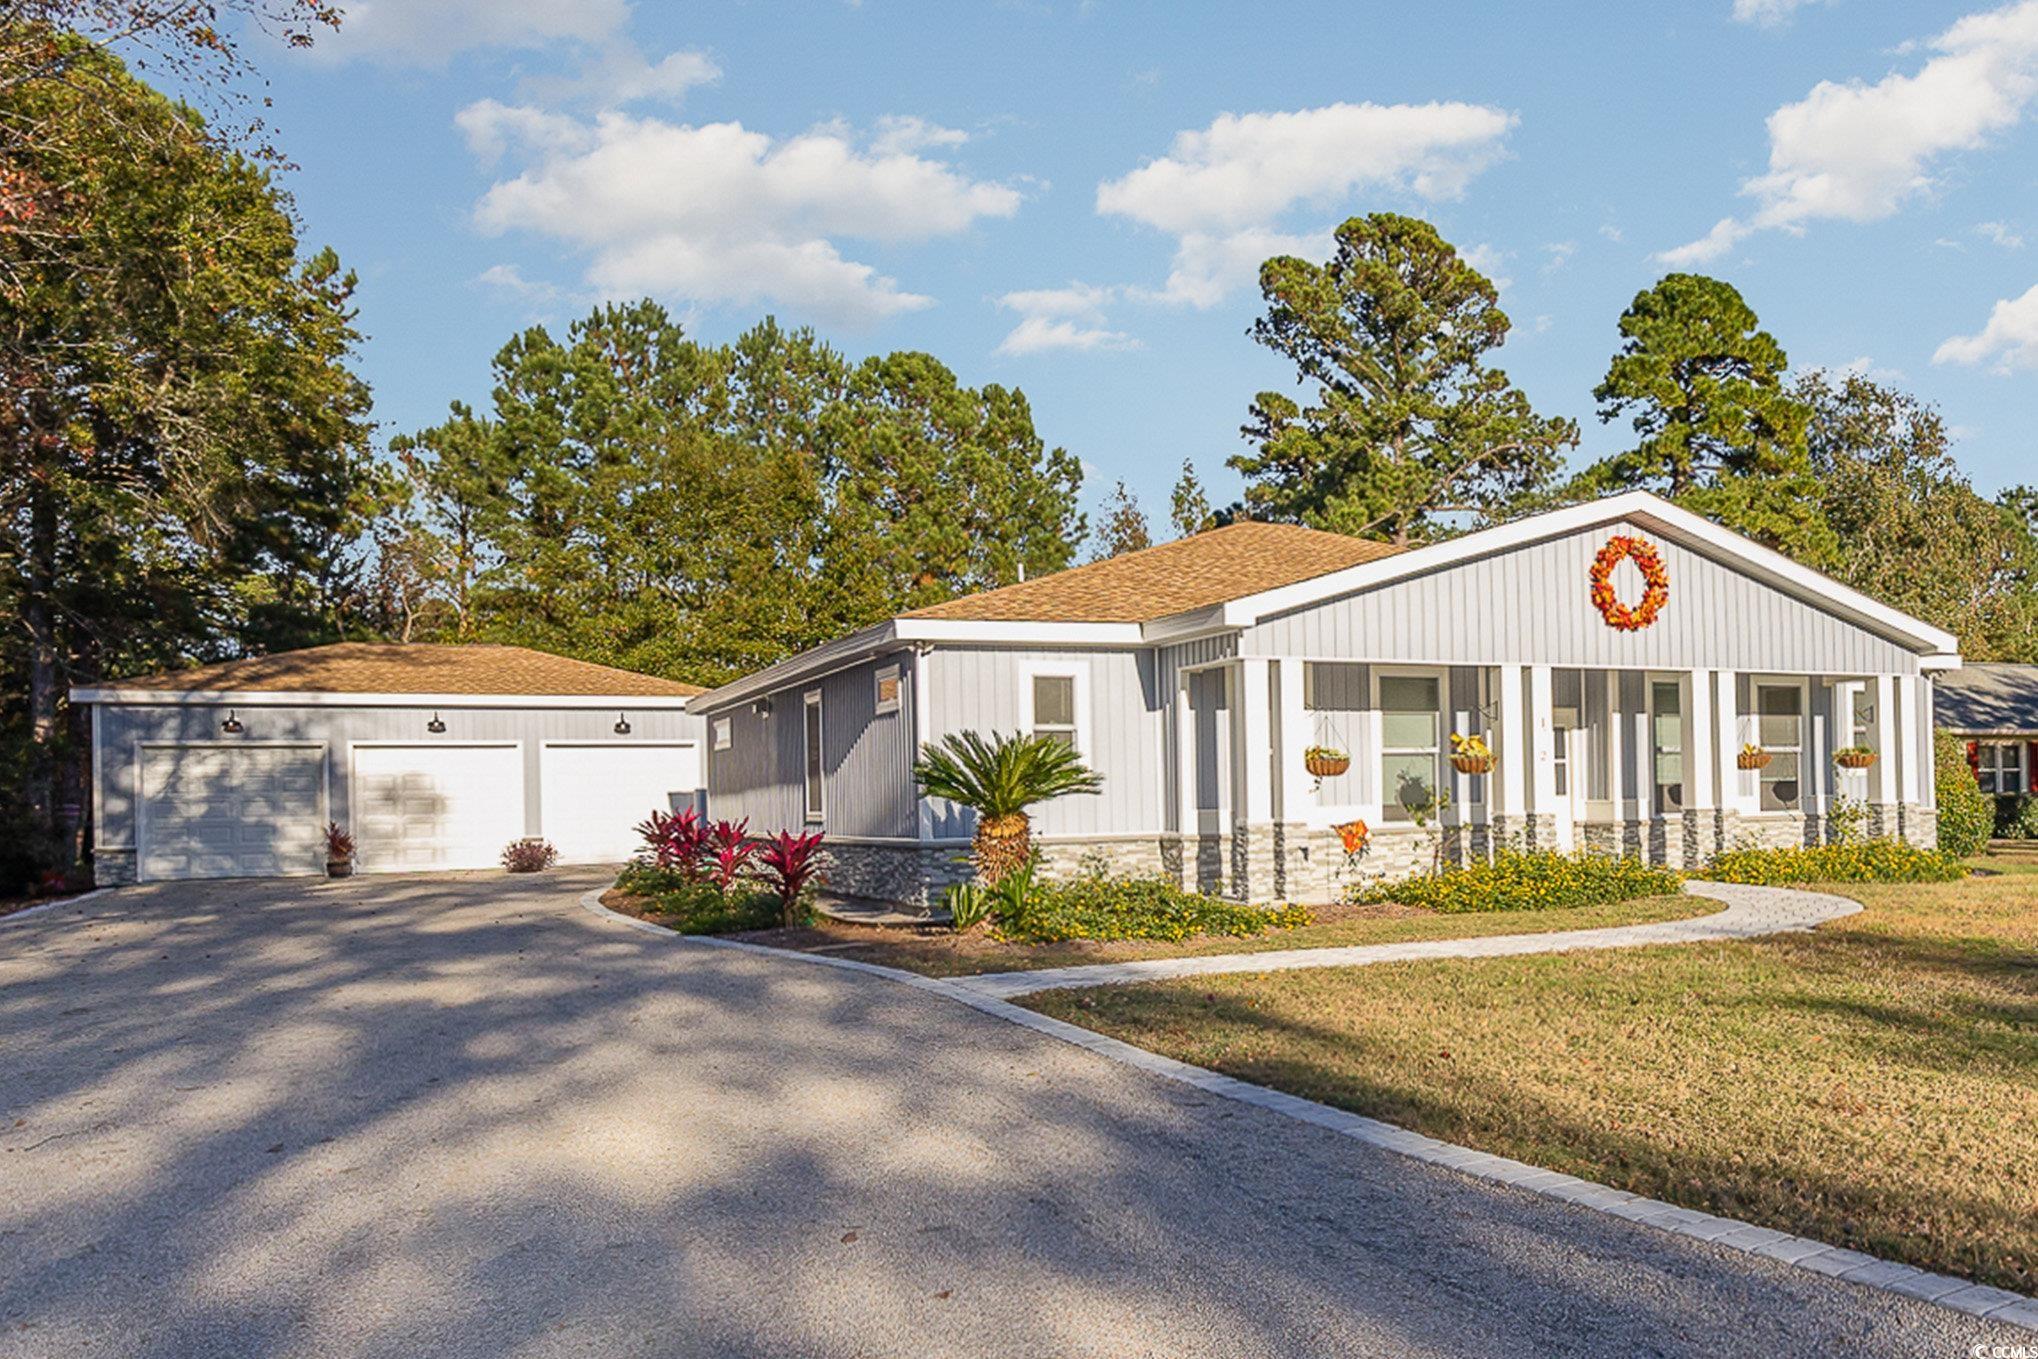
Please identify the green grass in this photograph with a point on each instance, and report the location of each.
(1873, 1084)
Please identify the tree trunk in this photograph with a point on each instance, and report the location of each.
(1002, 845)
(38, 617)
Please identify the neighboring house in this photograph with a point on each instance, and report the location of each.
(1993, 707)
(1194, 675)
(433, 757)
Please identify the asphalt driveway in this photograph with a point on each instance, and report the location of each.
(460, 1116)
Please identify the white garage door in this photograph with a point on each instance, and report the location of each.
(592, 796)
(423, 807)
(240, 811)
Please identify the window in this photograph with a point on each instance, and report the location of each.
(1666, 709)
(1054, 707)
(724, 733)
(888, 689)
(1408, 744)
(816, 805)
(2001, 769)
(1779, 717)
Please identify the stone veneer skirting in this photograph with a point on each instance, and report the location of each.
(113, 867)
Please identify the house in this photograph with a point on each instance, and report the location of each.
(1651, 683)
(1993, 707)
(434, 757)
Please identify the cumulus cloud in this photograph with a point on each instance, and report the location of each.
(1858, 152)
(1062, 318)
(427, 32)
(2010, 338)
(621, 74)
(1221, 191)
(719, 213)
(1490, 260)
(1768, 13)
(2000, 233)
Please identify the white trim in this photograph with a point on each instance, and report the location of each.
(99, 784)
(880, 706)
(1076, 671)
(813, 751)
(1015, 633)
(1649, 511)
(138, 840)
(274, 698)
(1808, 781)
(2023, 753)
(857, 647)
(722, 732)
(1442, 679)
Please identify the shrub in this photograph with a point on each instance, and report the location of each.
(1094, 906)
(339, 844)
(675, 840)
(2016, 817)
(968, 905)
(694, 906)
(529, 856)
(1879, 860)
(791, 862)
(727, 851)
(1528, 880)
(1965, 814)
(999, 779)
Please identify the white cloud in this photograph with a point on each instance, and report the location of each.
(1768, 13)
(427, 32)
(2010, 338)
(621, 74)
(718, 213)
(1857, 152)
(2001, 233)
(1062, 318)
(1611, 232)
(1861, 367)
(1222, 191)
(1490, 260)
(1557, 254)
(897, 135)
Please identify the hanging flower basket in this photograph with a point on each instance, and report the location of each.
(1471, 754)
(1753, 757)
(1472, 764)
(1322, 762)
(1854, 757)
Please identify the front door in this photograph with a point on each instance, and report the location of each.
(1568, 744)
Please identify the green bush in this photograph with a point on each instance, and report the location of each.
(1528, 880)
(699, 907)
(2016, 817)
(1966, 814)
(1868, 861)
(1095, 906)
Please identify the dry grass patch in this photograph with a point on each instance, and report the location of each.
(1873, 1084)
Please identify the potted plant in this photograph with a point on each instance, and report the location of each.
(1854, 757)
(339, 851)
(1753, 756)
(1471, 754)
(999, 779)
(1325, 762)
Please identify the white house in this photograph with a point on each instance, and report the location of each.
(1650, 683)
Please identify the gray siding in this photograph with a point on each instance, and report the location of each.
(1533, 605)
(122, 728)
(867, 757)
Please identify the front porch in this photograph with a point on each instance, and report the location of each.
(1628, 761)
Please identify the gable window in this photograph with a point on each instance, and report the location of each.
(888, 689)
(1409, 760)
(724, 733)
(1779, 717)
(1053, 707)
(2001, 768)
(816, 793)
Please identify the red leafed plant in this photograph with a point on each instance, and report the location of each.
(729, 850)
(676, 840)
(791, 862)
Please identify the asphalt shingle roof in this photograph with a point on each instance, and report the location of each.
(1989, 696)
(414, 668)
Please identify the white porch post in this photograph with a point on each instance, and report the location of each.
(1511, 785)
(1733, 780)
(1252, 718)
(1882, 791)
(1910, 742)
(1291, 737)
(1542, 780)
(1702, 757)
(1185, 766)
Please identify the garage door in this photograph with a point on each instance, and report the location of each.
(591, 796)
(239, 811)
(424, 807)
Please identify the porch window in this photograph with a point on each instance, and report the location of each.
(1409, 741)
(2001, 770)
(816, 792)
(1779, 710)
(1666, 719)
(1054, 707)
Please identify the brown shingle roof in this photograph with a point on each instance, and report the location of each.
(1191, 573)
(415, 668)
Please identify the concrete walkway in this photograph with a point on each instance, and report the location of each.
(1750, 911)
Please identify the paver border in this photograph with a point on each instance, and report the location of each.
(1796, 1252)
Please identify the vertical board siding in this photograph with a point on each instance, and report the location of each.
(1533, 605)
(867, 757)
(123, 727)
(1338, 697)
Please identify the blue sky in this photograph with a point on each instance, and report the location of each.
(1071, 197)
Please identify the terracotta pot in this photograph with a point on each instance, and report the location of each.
(1326, 766)
(1472, 764)
(339, 868)
(1758, 760)
(1856, 761)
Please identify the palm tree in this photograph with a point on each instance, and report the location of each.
(999, 779)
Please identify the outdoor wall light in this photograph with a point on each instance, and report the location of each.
(435, 726)
(622, 724)
(762, 707)
(232, 725)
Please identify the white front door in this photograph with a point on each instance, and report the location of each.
(591, 797)
(230, 811)
(422, 807)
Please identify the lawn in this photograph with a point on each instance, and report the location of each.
(938, 952)
(1873, 1084)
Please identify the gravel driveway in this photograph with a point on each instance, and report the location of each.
(458, 1116)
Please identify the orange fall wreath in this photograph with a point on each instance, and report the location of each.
(1655, 581)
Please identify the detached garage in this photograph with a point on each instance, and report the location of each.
(434, 757)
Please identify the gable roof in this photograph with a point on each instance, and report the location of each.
(400, 668)
(1190, 573)
(1990, 697)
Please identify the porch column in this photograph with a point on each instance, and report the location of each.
(1185, 767)
(1542, 773)
(1727, 732)
(1253, 875)
(1701, 764)
(1508, 786)
(1882, 775)
(1291, 737)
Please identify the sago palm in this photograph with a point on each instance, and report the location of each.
(999, 779)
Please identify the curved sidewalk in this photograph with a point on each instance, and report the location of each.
(1750, 911)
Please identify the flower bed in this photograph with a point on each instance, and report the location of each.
(1104, 908)
(1529, 880)
(1866, 861)
(691, 905)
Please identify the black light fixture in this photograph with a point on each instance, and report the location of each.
(435, 726)
(762, 707)
(622, 724)
(232, 725)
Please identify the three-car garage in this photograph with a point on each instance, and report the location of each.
(431, 757)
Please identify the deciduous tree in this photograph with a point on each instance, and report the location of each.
(1123, 528)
